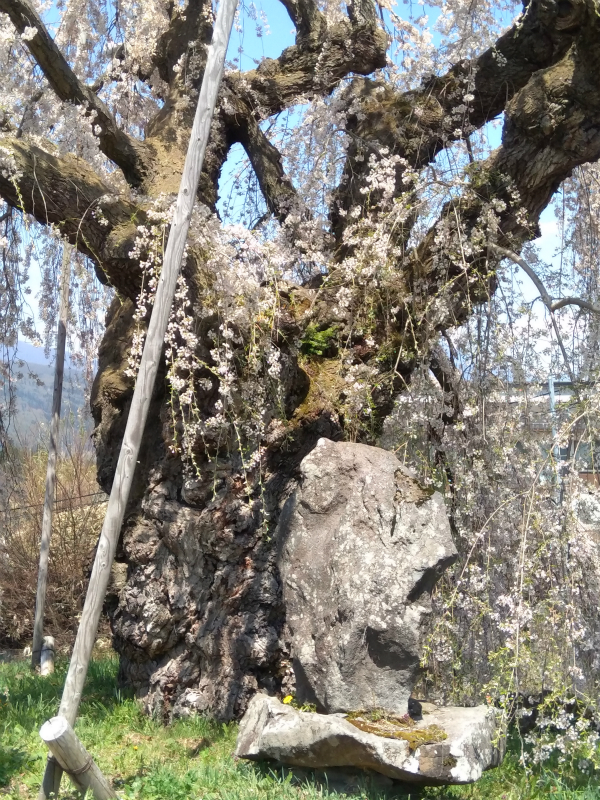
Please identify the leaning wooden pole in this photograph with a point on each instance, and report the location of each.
(144, 385)
(75, 760)
(61, 338)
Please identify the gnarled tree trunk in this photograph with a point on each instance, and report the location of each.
(199, 622)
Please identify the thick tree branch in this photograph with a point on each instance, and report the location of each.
(64, 191)
(127, 153)
(320, 59)
(322, 56)
(277, 188)
(313, 67)
(552, 125)
(417, 125)
(187, 36)
(180, 59)
(521, 178)
(307, 18)
(575, 301)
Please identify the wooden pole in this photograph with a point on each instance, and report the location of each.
(61, 337)
(74, 759)
(144, 384)
(47, 656)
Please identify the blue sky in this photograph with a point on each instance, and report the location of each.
(254, 46)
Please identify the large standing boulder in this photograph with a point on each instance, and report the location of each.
(361, 544)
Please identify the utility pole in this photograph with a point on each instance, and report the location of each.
(555, 450)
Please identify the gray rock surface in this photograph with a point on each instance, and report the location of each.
(271, 730)
(361, 545)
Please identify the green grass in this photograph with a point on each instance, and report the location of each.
(193, 758)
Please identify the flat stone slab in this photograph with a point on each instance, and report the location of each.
(278, 732)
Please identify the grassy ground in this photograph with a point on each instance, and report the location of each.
(193, 759)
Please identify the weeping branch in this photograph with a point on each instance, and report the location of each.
(127, 153)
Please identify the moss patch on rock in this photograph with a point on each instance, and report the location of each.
(394, 726)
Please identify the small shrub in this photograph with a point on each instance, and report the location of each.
(77, 519)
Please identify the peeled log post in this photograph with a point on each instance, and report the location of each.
(47, 656)
(144, 384)
(61, 336)
(74, 759)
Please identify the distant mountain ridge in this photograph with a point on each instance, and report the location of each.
(30, 354)
(29, 426)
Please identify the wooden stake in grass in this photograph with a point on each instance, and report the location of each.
(74, 759)
(61, 337)
(144, 384)
(47, 657)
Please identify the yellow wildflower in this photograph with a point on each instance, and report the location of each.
(288, 699)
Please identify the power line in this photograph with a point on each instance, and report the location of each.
(61, 500)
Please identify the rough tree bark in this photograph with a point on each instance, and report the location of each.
(199, 622)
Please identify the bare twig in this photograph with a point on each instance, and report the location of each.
(551, 305)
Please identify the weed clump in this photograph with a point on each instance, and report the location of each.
(393, 726)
